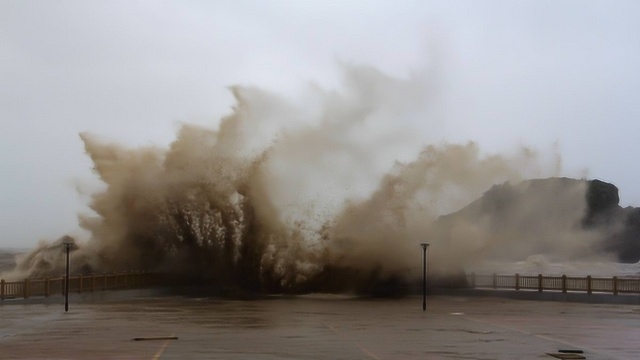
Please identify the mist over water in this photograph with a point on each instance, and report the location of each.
(323, 191)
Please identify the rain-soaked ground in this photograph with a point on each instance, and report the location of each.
(316, 327)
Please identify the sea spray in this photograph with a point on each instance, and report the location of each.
(283, 196)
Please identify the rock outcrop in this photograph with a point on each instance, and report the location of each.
(573, 219)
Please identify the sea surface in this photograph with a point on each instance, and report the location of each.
(7, 259)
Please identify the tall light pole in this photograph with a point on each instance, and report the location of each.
(67, 241)
(424, 275)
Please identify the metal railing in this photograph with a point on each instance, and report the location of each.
(614, 285)
(77, 284)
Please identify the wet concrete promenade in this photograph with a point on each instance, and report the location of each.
(317, 327)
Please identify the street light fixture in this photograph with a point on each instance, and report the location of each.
(424, 275)
(67, 242)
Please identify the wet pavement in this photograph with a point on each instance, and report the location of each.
(317, 327)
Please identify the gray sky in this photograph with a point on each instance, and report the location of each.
(510, 73)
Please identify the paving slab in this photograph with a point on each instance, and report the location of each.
(317, 327)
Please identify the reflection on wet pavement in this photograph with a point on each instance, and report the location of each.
(318, 327)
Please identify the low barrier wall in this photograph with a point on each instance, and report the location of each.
(77, 284)
(138, 280)
(612, 285)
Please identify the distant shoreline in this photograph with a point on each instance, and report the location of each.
(7, 258)
(13, 250)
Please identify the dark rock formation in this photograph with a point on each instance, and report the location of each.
(621, 225)
(602, 204)
(532, 216)
(625, 242)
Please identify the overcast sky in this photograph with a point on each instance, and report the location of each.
(537, 73)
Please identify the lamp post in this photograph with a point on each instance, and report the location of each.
(424, 275)
(67, 241)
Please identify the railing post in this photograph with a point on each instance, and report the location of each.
(615, 285)
(495, 280)
(564, 284)
(47, 287)
(517, 281)
(589, 284)
(473, 280)
(25, 289)
(539, 282)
